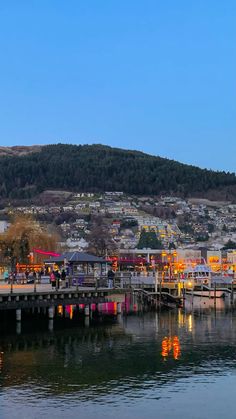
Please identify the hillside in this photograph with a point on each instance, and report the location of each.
(18, 150)
(102, 168)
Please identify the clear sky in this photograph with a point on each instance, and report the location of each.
(153, 75)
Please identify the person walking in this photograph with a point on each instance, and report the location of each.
(110, 277)
(53, 279)
(6, 276)
(63, 278)
(58, 277)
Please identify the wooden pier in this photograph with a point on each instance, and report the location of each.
(46, 301)
(20, 300)
(30, 297)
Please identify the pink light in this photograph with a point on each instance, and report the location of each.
(43, 252)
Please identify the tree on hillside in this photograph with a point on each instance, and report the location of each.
(149, 240)
(229, 245)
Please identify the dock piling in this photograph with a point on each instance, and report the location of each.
(51, 313)
(18, 315)
(86, 310)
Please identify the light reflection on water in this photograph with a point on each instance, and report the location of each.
(160, 365)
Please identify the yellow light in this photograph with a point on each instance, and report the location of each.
(189, 284)
(190, 323)
(71, 312)
(60, 310)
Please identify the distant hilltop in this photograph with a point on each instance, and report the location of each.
(25, 172)
(19, 150)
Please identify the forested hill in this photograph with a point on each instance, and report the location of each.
(102, 168)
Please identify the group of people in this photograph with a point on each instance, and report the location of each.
(58, 279)
(22, 277)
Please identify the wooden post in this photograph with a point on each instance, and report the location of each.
(50, 325)
(156, 280)
(50, 313)
(214, 293)
(11, 289)
(86, 310)
(183, 293)
(96, 282)
(18, 327)
(118, 308)
(86, 321)
(160, 293)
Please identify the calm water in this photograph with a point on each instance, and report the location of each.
(170, 365)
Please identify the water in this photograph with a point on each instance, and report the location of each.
(159, 365)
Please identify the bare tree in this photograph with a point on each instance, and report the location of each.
(99, 238)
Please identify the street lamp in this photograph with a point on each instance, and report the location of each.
(170, 256)
(34, 283)
(11, 283)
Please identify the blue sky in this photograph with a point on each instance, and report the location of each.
(157, 76)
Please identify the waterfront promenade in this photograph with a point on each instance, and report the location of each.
(40, 288)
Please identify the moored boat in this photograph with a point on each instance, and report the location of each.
(204, 291)
(200, 282)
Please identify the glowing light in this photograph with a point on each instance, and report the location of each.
(176, 347)
(170, 345)
(164, 345)
(71, 311)
(60, 310)
(190, 323)
(44, 252)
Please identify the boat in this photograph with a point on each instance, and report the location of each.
(200, 281)
(205, 291)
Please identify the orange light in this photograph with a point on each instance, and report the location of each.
(169, 344)
(176, 347)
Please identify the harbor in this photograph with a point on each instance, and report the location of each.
(127, 364)
(90, 336)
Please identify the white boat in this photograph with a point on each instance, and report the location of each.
(206, 292)
(201, 282)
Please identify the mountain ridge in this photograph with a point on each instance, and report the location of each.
(26, 171)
